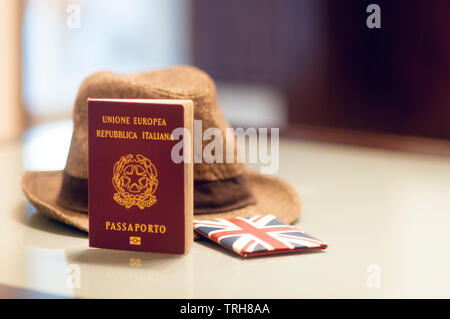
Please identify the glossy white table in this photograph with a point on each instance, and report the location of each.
(384, 214)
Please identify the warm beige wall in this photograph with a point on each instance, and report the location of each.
(11, 111)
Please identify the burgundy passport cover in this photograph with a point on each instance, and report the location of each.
(136, 191)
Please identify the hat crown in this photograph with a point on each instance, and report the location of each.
(180, 82)
(218, 187)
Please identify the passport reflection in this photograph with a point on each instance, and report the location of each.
(108, 273)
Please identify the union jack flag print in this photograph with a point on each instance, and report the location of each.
(256, 236)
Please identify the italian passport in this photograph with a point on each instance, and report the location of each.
(140, 174)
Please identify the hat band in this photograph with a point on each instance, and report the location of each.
(209, 196)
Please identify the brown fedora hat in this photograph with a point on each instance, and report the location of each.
(221, 190)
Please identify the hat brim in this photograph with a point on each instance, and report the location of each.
(273, 197)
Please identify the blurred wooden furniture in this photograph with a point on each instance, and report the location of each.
(392, 80)
(333, 69)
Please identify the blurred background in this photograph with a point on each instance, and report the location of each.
(311, 67)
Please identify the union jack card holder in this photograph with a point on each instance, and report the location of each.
(257, 236)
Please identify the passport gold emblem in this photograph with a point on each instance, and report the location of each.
(135, 181)
(135, 240)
